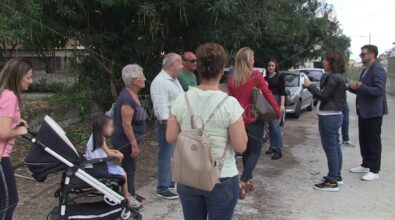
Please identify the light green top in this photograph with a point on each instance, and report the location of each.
(187, 79)
(203, 104)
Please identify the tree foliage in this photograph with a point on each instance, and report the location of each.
(118, 32)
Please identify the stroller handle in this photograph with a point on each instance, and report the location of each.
(30, 136)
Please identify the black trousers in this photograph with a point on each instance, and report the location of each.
(8, 192)
(370, 142)
(129, 164)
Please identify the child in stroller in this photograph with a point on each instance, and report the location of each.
(102, 128)
(87, 190)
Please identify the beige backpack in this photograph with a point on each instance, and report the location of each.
(192, 163)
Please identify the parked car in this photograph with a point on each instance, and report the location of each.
(298, 97)
(314, 75)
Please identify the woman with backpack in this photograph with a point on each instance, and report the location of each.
(223, 127)
(240, 86)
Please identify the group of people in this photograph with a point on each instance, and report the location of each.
(235, 123)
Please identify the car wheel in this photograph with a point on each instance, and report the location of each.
(311, 106)
(298, 109)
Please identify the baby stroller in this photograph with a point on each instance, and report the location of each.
(87, 191)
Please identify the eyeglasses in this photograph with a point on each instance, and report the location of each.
(362, 54)
(191, 61)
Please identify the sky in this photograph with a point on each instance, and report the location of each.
(358, 18)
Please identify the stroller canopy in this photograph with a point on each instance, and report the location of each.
(42, 163)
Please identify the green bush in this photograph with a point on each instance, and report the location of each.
(43, 86)
(353, 73)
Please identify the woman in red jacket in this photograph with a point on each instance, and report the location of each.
(240, 86)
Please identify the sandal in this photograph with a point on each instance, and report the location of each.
(249, 186)
(140, 198)
(243, 192)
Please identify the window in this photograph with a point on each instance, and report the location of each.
(291, 80)
(314, 75)
(41, 64)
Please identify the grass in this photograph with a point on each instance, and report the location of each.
(353, 73)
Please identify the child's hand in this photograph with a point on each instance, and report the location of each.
(119, 154)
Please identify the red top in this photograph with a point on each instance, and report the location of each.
(243, 94)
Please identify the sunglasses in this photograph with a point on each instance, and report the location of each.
(363, 54)
(191, 61)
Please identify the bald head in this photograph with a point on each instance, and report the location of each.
(189, 61)
(172, 64)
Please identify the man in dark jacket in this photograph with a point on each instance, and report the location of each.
(371, 107)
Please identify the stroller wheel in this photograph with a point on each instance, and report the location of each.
(125, 214)
(53, 215)
(130, 215)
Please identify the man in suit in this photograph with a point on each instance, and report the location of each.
(371, 107)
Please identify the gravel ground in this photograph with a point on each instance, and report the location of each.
(284, 187)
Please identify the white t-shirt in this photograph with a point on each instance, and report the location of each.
(203, 104)
(97, 153)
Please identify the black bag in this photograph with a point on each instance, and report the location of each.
(263, 111)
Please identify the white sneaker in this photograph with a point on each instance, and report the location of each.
(134, 204)
(348, 144)
(359, 169)
(370, 176)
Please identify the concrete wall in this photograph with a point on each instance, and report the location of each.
(61, 71)
(391, 75)
(64, 117)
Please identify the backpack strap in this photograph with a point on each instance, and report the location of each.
(221, 160)
(217, 108)
(193, 125)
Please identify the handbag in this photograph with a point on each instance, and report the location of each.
(192, 163)
(262, 109)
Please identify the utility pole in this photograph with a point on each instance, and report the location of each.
(370, 38)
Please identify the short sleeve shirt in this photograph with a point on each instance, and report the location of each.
(139, 124)
(9, 108)
(203, 104)
(187, 79)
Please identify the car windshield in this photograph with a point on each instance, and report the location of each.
(314, 75)
(291, 80)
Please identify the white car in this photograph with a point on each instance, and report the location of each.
(298, 97)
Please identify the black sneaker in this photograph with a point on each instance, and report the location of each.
(327, 186)
(269, 151)
(276, 155)
(339, 180)
(168, 195)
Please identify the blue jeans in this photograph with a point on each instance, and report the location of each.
(329, 126)
(217, 204)
(276, 141)
(253, 151)
(346, 118)
(164, 158)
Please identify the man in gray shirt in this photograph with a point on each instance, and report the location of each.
(164, 90)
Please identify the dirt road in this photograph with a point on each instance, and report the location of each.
(283, 187)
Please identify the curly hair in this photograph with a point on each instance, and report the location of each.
(337, 61)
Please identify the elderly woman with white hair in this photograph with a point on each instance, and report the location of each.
(130, 121)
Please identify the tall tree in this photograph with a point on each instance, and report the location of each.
(116, 32)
